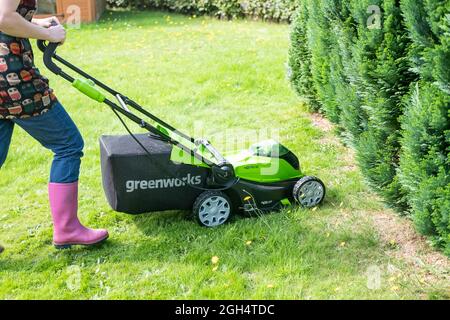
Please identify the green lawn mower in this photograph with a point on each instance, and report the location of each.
(166, 169)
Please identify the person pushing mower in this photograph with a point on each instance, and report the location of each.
(27, 100)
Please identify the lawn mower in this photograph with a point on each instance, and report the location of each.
(166, 169)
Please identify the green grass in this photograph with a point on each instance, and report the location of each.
(222, 76)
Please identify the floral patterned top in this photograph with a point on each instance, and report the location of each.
(24, 92)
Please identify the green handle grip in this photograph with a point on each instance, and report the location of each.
(88, 88)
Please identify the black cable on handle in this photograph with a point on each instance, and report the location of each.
(149, 156)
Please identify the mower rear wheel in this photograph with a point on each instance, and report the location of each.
(212, 209)
(309, 192)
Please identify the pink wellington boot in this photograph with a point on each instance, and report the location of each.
(68, 230)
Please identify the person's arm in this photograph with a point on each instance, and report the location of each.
(13, 24)
(45, 22)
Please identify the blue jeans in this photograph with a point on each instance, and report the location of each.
(56, 131)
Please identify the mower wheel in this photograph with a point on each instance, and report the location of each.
(212, 209)
(309, 192)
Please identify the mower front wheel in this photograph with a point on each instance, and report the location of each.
(212, 209)
(309, 192)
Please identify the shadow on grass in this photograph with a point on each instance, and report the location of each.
(293, 242)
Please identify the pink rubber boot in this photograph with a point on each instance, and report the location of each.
(68, 230)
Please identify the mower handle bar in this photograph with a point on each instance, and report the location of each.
(50, 55)
(49, 51)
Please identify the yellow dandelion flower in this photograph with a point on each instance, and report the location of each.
(215, 260)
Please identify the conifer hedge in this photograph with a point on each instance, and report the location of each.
(379, 69)
(425, 165)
